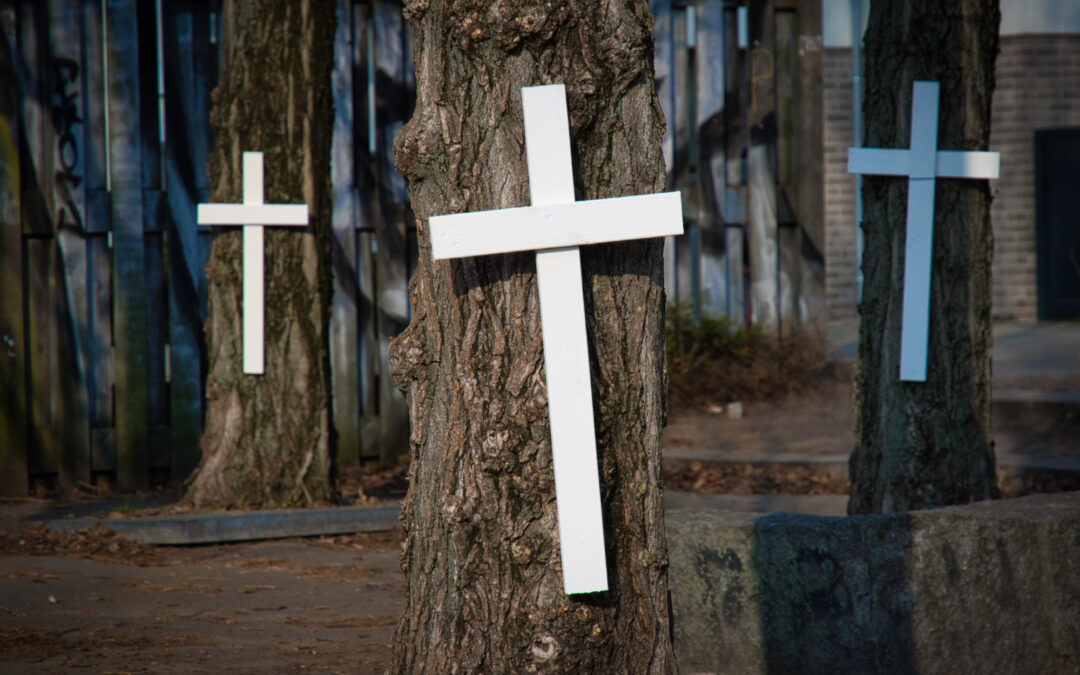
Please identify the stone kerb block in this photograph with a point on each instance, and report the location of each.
(989, 587)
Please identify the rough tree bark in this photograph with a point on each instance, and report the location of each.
(481, 554)
(922, 445)
(267, 439)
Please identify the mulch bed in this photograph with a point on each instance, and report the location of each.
(751, 479)
(96, 544)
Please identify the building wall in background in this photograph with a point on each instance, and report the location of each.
(1038, 87)
(841, 266)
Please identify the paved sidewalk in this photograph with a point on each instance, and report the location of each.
(1020, 349)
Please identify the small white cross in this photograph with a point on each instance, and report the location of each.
(554, 226)
(253, 215)
(921, 164)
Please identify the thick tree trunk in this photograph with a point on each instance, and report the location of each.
(927, 444)
(481, 556)
(267, 439)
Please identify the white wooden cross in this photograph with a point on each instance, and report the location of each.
(921, 164)
(253, 215)
(555, 226)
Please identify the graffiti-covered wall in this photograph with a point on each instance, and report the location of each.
(740, 84)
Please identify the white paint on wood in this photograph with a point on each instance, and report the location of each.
(555, 225)
(253, 214)
(596, 221)
(922, 163)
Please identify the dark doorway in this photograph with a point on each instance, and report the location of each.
(1057, 222)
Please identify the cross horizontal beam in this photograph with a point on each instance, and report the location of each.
(253, 214)
(948, 163)
(535, 228)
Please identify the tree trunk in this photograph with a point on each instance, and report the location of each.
(267, 439)
(481, 555)
(926, 444)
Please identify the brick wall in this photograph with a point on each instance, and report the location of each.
(1038, 87)
(839, 185)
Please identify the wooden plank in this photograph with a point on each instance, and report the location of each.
(35, 150)
(736, 277)
(736, 133)
(69, 132)
(710, 90)
(789, 235)
(343, 310)
(375, 210)
(391, 220)
(103, 451)
(148, 110)
(186, 43)
(367, 207)
(679, 169)
(157, 395)
(129, 309)
(98, 334)
(808, 188)
(809, 148)
(35, 147)
(94, 148)
(768, 309)
(787, 70)
(13, 452)
(43, 454)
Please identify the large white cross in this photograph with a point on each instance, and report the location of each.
(921, 164)
(554, 226)
(253, 215)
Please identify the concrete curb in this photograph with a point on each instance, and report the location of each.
(987, 587)
(221, 527)
(837, 465)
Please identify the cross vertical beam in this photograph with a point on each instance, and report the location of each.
(566, 353)
(254, 283)
(922, 164)
(254, 215)
(918, 242)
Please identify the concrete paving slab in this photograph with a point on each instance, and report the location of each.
(1020, 349)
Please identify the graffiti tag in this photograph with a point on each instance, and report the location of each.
(65, 113)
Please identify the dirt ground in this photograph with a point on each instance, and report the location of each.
(295, 605)
(94, 602)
